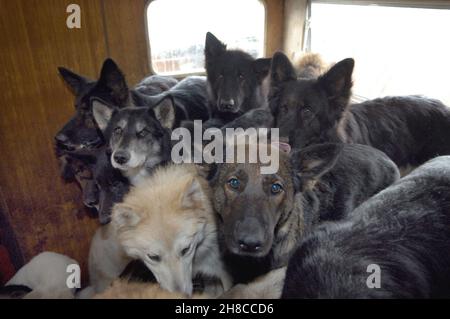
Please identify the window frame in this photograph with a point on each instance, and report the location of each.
(183, 75)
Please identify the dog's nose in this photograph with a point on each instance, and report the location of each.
(121, 157)
(227, 104)
(61, 138)
(250, 246)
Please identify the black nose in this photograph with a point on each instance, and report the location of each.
(61, 138)
(249, 246)
(227, 104)
(121, 157)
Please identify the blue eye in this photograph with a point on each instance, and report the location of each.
(234, 183)
(276, 188)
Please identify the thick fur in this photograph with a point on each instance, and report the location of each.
(107, 260)
(168, 223)
(333, 179)
(409, 129)
(404, 229)
(123, 289)
(310, 66)
(155, 84)
(234, 80)
(323, 182)
(188, 98)
(107, 185)
(46, 275)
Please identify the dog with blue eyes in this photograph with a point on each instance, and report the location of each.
(263, 217)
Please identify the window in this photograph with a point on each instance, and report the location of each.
(398, 50)
(177, 30)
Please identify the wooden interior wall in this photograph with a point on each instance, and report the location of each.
(45, 213)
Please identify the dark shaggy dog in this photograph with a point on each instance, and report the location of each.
(410, 129)
(263, 217)
(107, 185)
(80, 131)
(234, 80)
(405, 230)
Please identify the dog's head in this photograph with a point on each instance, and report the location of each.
(137, 136)
(162, 222)
(306, 110)
(107, 185)
(250, 204)
(81, 131)
(233, 75)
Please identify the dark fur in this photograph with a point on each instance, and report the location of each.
(322, 182)
(107, 186)
(188, 97)
(404, 229)
(14, 291)
(410, 129)
(233, 75)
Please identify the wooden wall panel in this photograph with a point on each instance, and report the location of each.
(45, 213)
(274, 26)
(127, 37)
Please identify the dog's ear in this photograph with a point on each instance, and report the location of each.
(193, 194)
(281, 69)
(124, 216)
(164, 111)
(337, 82)
(262, 67)
(213, 46)
(102, 113)
(312, 162)
(76, 82)
(113, 79)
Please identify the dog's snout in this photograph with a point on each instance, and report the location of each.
(249, 235)
(121, 157)
(61, 138)
(249, 245)
(227, 103)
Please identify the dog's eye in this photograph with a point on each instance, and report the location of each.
(154, 258)
(118, 131)
(185, 250)
(143, 133)
(276, 188)
(234, 183)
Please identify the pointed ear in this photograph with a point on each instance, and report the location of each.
(281, 69)
(262, 67)
(213, 46)
(337, 82)
(112, 78)
(192, 195)
(314, 161)
(165, 112)
(124, 216)
(102, 113)
(76, 82)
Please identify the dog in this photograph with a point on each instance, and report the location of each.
(139, 137)
(264, 217)
(44, 277)
(168, 223)
(409, 129)
(188, 98)
(107, 185)
(80, 131)
(310, 66)
(234, 81)
(404, 231)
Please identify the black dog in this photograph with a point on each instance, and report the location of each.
(410, 129)
(404, 230)
(80, 131)
(235, 81)
(107, 187)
